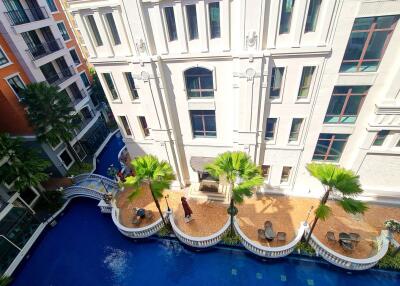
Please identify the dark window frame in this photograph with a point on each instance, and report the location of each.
(267, 131)
(312, 16)
(144, 126)
(327, 154)
(131, 84)
(273, 90)
(203, 114)
(3, 58)
(94, 31)
(63, 30)
(307, 70)
(208, 92)
(170, 21)
(380, 138)
(191, 18)
(294, 135)
(127, 128)
(112, 27)
(215, 26)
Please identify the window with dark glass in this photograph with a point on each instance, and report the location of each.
(16, 84)
(52, 5)
(66, 158)
(171, 25)
(367, 43)
(74, 56)
(110, 85)
(191, 16)
(113, 29)
(286, 16)
(276, 82)
(214, 15)
(285, 174)
(312, 15)
(85, 79)
(398, 143)
(131, 84)
(270, 128)
(199, 82)
(265, 169)
(125, 124)
(295, 129)
(330, 147)
(380, 137)
(305, 83)
(94, 31)
(203, 123)
(50, 73)
(345, 104)
(143, 124)
(3, 58)
(63, 31)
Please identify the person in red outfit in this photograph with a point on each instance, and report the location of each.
(186, 209)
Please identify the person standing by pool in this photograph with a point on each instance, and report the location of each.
(186, 209)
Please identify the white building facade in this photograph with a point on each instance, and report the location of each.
(287, 81)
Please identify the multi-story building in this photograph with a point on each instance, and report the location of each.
(37, 44)
(288, 82)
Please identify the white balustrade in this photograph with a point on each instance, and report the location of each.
(349, 262)
(198, 241)
(266, 251)
(78, 191)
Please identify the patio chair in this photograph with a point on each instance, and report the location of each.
(136, 220)
(261, 234)
(355, 237)
(281, 236)
(267, 224)
(269, 232)
(148, 214)
(346, 245)
(330, 236)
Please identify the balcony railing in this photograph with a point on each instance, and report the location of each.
(23, 16)
(60, 77)
(44, 49)
(76, 99)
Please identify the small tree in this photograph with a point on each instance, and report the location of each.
(152, 173)
(393, 226)
(242, 176)
(51, 114)
(344, 183)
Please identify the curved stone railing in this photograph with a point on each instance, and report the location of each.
(82, 177)
(136, 232)
(266, 251)
(349, 262)
(78, 191)
(198, 241)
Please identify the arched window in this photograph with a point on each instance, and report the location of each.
(199, 82)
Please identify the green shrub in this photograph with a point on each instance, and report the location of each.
(231, 239)
(305, 248)
(77, 170)
(164, 231)
(5, 280)
(53, 203)
(389, 261)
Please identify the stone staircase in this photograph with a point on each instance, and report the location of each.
(222, 196)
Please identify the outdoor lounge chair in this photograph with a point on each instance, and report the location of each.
(136, 220)
(261, 234)
(281, 236)
(355, 237)
(269, 232)
(346, 245)
(148, 214)
(330, 236)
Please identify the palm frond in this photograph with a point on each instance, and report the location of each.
(158, 187)
(323, 212)
(352, 206)
(133, 181)
(133, 194)
(238, 193)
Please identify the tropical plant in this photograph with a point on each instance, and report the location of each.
(341, 182)
(24, 168)
(51, 114)
(5, 280)
(241, 174)
(393, 226)
(97, 88)
(151, 173)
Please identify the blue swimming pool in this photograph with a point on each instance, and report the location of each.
(85, 248)
(109, 155)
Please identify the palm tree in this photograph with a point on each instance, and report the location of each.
(152, 173)
(341, 182)
(242, 176)
(51, 114)
(24, 166)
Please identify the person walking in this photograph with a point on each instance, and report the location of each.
(186, 209)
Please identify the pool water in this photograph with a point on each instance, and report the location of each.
(85, 248)
(109, 155)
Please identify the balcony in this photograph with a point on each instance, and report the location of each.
(39, 51)
(24, 16)
(60, 77)
(77, 98)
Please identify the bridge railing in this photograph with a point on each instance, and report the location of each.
(78, 191)
(266, 251)
(349, 262)
(198, 241)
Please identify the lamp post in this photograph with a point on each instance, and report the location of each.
(166, 200)
(308, 214)
(9, 241)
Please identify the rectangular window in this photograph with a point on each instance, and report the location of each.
(63, 31)
(52, 5)
(380, 138)
(131, 84)
(66, 159)
(305, 83)
(125, 124)
(398, 144)
(330, 147)
(75, 57)
(285, 174)
(312, 15)
(213, 14)
(367, 43)
(171, 25)
(345, 104)
(85, 79)
(203, 123)
(199, 82)
(270, 129)
(143, 124)
(110, 85)
(295, 129)
(286, 16)
(113, 29)
(276, 82)
(95, 32)
(16, 84)
(191, 16)
(3, 58)
(265, 170)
